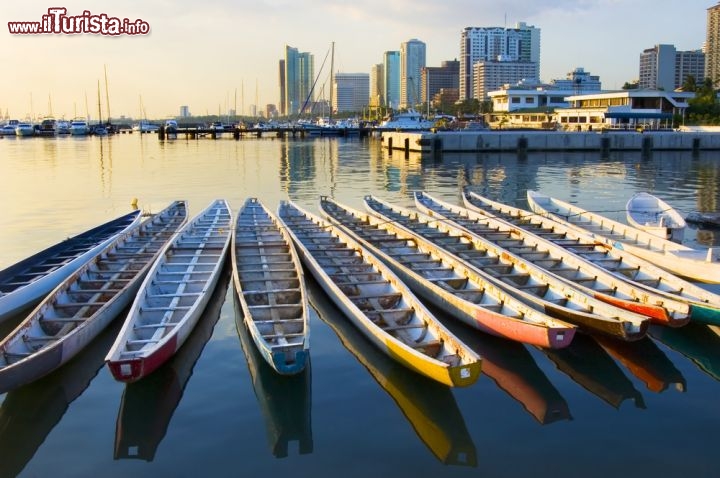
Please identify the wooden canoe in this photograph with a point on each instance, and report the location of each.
(377, 302)
(173, 295)
(448, 283)
(651, 214)
(539, 250)
(519, 277)
(653, 280)
(694, 264)
(26, 282)
(269, 282)
(82, 306)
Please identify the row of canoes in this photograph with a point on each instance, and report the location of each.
(507, 272)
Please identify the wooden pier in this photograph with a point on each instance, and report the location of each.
(196, 132)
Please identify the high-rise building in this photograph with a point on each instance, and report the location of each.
(412, 61)
(350, 91)
(391, 82)
(281, 73)
(377, 91)
(689, 63)
(664, 68)
(184, 111)
(657, 68)
(712, 44)
(299, 74)
(519, 44)
(434, 78)
(492, 75)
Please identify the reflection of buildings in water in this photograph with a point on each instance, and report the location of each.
(592, 368)
(700, 343)
(429, 406)
(308, 164)
(646, 361)
(147, 406)
(285, 400)
(29, 413)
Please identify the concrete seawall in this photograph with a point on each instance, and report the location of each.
(523, 141)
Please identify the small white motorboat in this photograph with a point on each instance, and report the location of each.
(653, 215)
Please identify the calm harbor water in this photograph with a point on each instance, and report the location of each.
(597, 409)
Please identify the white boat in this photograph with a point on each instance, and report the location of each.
(145, 126)
(24, 129)
(409, 120)
(8, 129)
(79, 127)
(270, 286)
(62, 127)
(68, 319)
(695, 264)
(173, 296)
(652, 214)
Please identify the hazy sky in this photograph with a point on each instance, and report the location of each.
(215, 54)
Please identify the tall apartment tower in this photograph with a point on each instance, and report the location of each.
(434, 79)
(412, 61)
(712, 44)
(492, 44)
(377, 93)
(664, 68)
(657, 68)
(391, 79)
(299, 74)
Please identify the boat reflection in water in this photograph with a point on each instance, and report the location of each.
(646, 361)
(698, 342)
(513, 369)
(148, 404)
(429, 406)
(592, 368)
(285, 400)
(29, 413)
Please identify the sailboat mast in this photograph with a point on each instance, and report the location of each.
(107, 95)
(99, 106)
(332, 66)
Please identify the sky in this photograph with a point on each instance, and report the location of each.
(216, 55)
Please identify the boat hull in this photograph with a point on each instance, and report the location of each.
(21, 298)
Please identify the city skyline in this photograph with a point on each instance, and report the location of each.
(217, 55)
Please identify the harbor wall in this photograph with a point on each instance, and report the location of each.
(524, 141)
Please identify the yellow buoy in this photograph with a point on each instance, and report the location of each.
(134, 203)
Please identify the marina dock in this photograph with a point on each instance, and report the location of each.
(527, 141)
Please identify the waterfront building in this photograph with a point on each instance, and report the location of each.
(712, 44)
(391, 79)
(434, 78)
(412, 61)
(281, 73)
(350, 91)
(377, 91)
(663, 67)
(519, 44)
(299, 73)
(626, 109)
(184, 111)
(492, 75)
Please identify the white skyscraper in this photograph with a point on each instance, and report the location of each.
(412, 61)
(488, 44)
